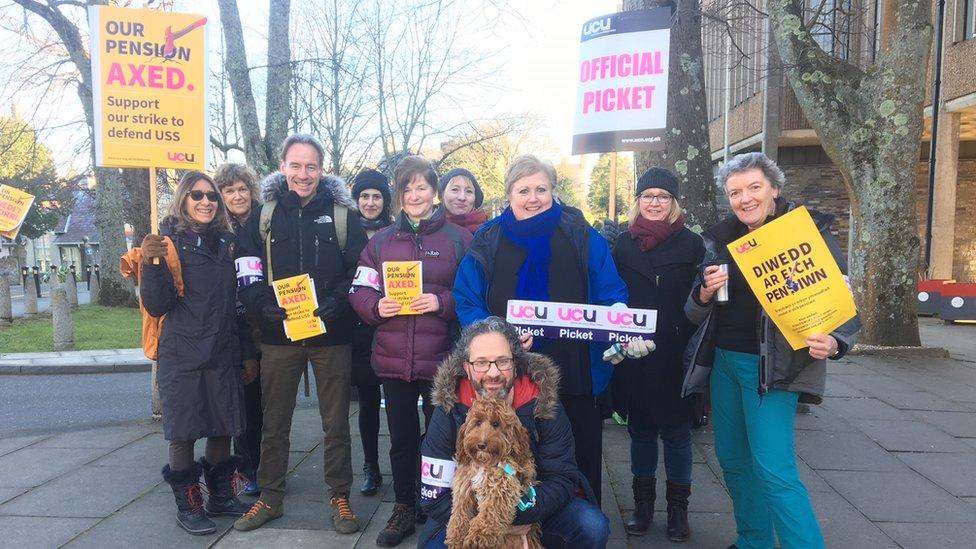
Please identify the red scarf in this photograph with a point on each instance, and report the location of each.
(649, 234)
(471, 221)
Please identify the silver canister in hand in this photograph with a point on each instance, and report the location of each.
(722, 294)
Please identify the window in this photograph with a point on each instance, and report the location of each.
(822, 13)
(967, 26)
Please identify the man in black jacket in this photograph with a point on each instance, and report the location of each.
(489, 359)
(302, 237)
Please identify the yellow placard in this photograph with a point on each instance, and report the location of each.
(296, 295)
(794, 276)
(14, 206)
(403, 281)
(149, 76)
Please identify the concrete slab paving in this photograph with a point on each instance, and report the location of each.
(106, 437)
(842, 525)
(8, 445)
(898, 497)
(956, 473)
(279, 537)
(41, 531)
(854, 451)
(908, 436)
(29, 467)
(957, 424)
(861, 408)
(87, 492)
(920, 535)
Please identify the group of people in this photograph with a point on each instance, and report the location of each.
(228, 372)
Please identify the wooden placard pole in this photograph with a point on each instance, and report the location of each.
(153, 207)
(613, 187)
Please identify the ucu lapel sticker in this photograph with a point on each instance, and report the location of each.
(432, 253)
(325, 218)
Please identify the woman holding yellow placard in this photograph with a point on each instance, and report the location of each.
(412, 337)
(199, 352)
(754, 376)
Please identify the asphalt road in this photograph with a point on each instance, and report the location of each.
(44, 303)
(49, 404)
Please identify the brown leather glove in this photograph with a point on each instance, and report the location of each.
(153, 246)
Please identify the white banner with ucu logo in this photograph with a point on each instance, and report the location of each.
(580, 321)
(435, 477)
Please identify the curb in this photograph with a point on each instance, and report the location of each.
(914, 352)
(73, 369)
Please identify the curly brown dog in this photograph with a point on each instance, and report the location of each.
(494, 469)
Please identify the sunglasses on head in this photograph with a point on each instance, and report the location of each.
(198, 195)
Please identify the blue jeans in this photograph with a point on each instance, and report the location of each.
(677, 449)
(754, 446)
(579, 525)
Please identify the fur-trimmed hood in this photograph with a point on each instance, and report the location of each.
(541, 370)
(275, 186)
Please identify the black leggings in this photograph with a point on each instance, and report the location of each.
(181, 452)
(369, 421)
(405, 435)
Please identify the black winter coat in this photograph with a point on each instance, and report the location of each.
(660, 279)
(362, 347)
(199, 355)
(304, 240)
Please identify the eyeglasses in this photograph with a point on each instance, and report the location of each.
(198, 195)
(659, 198)
(503, 364)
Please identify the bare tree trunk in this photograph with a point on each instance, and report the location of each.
(687, 151)
(869, 123)
(235, 65)
(278, 100)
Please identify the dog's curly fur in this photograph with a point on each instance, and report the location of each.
(484, 496)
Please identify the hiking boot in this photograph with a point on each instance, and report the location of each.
(372, 481)
(677, 496)
(189, 500)
(259, 514)
(400, 525)
(644, 495)
(220, 479)
(343, 519)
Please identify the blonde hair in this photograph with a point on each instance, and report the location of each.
(526, 165)
(177, 212)
(673, 215)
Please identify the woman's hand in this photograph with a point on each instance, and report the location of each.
(388, 307)
(250, 371)
(526, 340)
(713, 280)
(426, 303)
(153, 246)
(822, 346)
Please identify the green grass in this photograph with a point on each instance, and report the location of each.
(96, 327)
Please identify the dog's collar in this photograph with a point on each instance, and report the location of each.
(507, 468)
(527, 501)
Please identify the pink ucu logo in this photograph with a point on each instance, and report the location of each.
(576, 314)
(746, 246)
(373, 278)
(528, 312)
(626, 319)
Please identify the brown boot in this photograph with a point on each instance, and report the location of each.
(400, 525)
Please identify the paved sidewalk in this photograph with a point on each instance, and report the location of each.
(889, 459)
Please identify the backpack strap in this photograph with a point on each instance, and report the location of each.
(264, 226)
(341, 216)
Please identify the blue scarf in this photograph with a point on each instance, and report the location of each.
(533, 235)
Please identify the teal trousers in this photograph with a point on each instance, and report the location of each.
(754, 446)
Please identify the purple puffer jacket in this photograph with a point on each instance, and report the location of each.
(410, 347)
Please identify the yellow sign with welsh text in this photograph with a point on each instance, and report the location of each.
(403, 281)
(296, 295)
(794, 277)
(149, 77)
(15, 204)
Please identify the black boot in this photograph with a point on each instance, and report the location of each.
(677, 496)
(644, 495)
(189, 500)
(372, 481)
(400, 525)
(223, 500)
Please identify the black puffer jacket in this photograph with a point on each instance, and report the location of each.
(549, 431)
(304, 240)
(199, 356)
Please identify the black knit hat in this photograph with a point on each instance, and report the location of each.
(371, 179)
(657, 178)
(479, 196)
